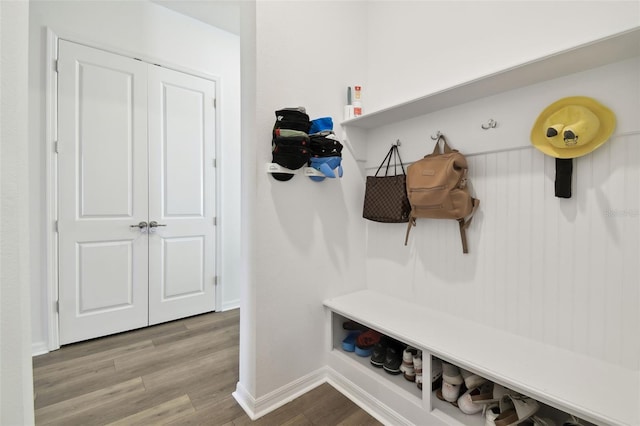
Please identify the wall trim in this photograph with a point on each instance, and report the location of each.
(256, 408)
(230, 304)
(364, 400)
(39, 348)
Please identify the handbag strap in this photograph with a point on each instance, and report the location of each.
(393, 151)
(387, 159)
(447, 149)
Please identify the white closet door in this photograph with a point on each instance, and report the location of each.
(182, 195)
(102, 163)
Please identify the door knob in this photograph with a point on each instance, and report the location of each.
(141, 225)
(154, 224)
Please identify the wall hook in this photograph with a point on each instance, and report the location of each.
(437, 136)
(490, 125)
(398, 143)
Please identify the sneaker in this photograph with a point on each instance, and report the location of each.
(349, 342)
(407, 367)
(366, 341)
(471, 380)
(451, 374)
(450, 392)
(436, 373)
(465, 402)
(379, 352)
(495, 396)
(393, 359)
(417, 365)
(523, 408)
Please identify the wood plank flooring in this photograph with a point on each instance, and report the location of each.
(177, 373)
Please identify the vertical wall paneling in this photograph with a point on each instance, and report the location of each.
(563, 272)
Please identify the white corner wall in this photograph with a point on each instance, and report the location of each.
(152, 32)
(16, 384)
(306, 237)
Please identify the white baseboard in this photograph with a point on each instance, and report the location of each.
(364, 400)
(39, 348)
(230, 304)
(256, 408)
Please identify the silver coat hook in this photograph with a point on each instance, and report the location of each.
(437, 136)
(490, 125)
(398, 143)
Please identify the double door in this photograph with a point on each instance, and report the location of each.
(136, 193)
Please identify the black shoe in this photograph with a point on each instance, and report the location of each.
(379, 352)
(393, 359)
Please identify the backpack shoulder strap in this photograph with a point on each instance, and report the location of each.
(412, 222)
(464, 224)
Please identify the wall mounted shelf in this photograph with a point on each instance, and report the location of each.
(607, 50)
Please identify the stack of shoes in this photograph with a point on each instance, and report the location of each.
(326, 149)
(354, 329)
(512, 410)
(290, 143)
(366, 341)
(452, 382)
(408, 366)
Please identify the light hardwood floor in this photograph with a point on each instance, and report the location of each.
(178, 373)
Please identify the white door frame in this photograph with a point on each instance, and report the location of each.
(51, 172)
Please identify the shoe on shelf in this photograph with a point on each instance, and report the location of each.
(407, 367)
(436, 373)
(523, 408)
(471, 380)
(465, 402)
(379, 352)
(451, 374)
(353, 326)
(450, 392)
(393, 358)
(494, 396)
(366, 341)
(441, 398)
(349, 342)
(417, 365)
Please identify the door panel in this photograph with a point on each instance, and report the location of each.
(102, 191)
(105, 124)
(183, 146)
(181, 153)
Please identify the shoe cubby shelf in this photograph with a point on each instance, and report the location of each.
(590, 55)
(588, 388)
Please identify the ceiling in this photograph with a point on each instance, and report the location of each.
(223, 14)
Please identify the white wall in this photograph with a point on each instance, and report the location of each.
(307, 237)
(16, 384)
(145, 30)
(420, 47)
(557, 271)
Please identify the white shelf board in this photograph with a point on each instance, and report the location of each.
(608, 50)
(597, 391)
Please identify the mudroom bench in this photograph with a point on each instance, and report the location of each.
(561, 380)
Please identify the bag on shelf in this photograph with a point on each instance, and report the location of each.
(385, 197)
(437, 188)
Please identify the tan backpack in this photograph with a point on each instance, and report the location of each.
(437, 189)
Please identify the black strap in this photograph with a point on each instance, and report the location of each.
(393, 151)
